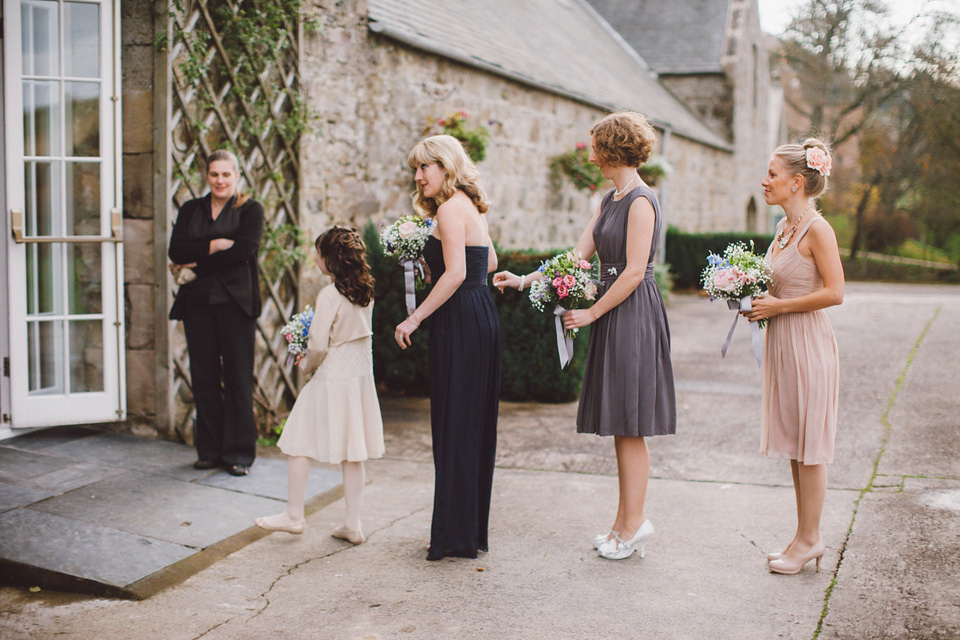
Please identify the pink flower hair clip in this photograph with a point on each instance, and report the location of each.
(819, 160)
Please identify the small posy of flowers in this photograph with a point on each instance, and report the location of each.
(473, 139)
(296, 331)
(567, 281)
(819, 160)
(576, 166)
(736, 274)
(404, 240)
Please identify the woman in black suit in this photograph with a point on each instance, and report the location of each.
(218, 236)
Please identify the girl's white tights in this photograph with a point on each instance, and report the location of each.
(298, 472)
(354, 478)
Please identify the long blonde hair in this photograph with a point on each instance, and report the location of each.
(447, 152)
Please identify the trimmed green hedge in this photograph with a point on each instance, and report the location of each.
(687, 256)
(687, 252)
(876, 270)
(530, 365)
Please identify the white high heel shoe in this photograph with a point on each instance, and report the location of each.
(601, 538)
(618, 549)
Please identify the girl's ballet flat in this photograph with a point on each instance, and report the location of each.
(293, 527)
(353, 536)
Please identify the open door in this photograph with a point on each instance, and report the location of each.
(63, 207)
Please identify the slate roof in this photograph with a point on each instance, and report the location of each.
(672, 36)
(561, 46)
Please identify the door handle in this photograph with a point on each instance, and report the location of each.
(116, 228)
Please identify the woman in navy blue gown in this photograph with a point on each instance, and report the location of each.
(464, 345)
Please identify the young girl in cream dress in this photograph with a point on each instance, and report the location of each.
(336, 418)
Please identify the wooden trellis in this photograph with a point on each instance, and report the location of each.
(228, 93)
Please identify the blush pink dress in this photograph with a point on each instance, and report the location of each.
(801, 368)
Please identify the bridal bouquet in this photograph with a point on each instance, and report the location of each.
(296, 331)
(404, 240)
(567, 283)
(737, 276)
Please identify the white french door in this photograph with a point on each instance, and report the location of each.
(63, 198)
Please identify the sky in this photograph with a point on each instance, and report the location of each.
(776, 14)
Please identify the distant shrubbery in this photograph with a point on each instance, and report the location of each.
(687, 252)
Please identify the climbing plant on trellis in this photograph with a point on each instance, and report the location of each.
(235, 84)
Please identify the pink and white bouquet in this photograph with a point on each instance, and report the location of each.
(567, 283)
(296, 332)
(738, 276)
(404, 240)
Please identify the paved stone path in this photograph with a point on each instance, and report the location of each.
(891, 521)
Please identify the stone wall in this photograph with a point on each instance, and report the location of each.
(748, 68)
(374, 98)
(140, 245)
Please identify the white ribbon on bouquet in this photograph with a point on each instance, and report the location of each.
(410, 285)
(564, 338)
(744, 304)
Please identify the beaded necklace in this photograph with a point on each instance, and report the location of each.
(782, 240)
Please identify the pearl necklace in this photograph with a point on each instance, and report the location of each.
(782, 240)
(620, 192)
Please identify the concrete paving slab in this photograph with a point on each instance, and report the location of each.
(72, 477)
(900, 568)
(162, 508)
(924, 421)
(130, 452)
(268, 479)
(12, 496)
(84, 550)
(17, 465)
(39, 439)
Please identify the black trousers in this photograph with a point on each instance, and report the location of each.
(220, 340)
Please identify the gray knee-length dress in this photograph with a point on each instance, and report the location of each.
(628, 385)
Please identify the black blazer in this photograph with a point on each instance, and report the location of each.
(235, 268)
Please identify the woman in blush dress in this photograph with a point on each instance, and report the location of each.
(801, 368)
(464, 344)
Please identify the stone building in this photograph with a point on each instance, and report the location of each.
(92, 193)
(713, 55)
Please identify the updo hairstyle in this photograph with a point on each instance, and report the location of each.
(623, 139)
(794, 156)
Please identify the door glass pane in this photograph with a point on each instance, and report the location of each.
(82, 118)
(39, 31)
(84, 271)
(81, 40)
(86, 356)
(42, 272)
(83, 199)
(41, 118)
(42, 199)
(44, 355)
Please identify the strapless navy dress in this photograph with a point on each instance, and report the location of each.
(464, 403)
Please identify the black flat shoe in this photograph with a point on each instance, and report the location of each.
(203, 465)
(238, 470)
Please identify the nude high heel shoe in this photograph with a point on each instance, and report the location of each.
(782, 566)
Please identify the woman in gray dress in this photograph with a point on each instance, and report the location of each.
(628, 390)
